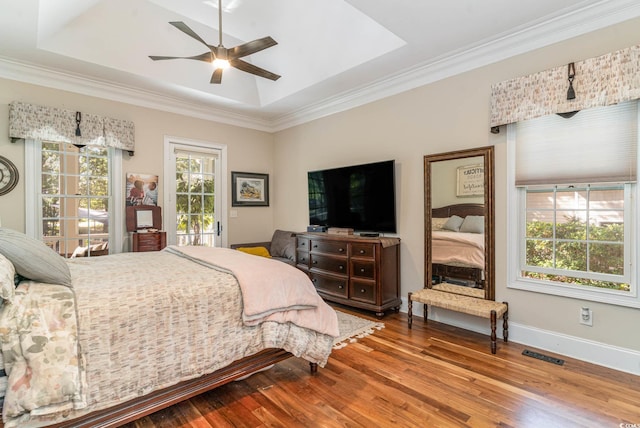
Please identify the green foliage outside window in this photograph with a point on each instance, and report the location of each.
(603, 252)
(195, 201)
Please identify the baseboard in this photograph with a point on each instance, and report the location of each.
(602, 354)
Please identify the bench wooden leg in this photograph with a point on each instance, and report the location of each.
(505, 324)
(426, 313)
(493, 331)
(410, 310)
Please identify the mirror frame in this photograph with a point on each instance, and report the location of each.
(489, 220)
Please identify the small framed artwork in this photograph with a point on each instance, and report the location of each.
(249, 189)
(470, 180)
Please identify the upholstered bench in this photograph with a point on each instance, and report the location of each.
(466, 304)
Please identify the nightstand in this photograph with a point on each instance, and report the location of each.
(149, 241)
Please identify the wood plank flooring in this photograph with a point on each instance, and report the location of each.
(431, 376)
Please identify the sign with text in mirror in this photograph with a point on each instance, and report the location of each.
(470, 180)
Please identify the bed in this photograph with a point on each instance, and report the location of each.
(458, 247)
(103, 341)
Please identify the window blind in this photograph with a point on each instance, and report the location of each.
(597, 145)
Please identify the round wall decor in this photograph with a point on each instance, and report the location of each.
(8, 175)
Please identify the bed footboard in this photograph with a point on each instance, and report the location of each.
(135, 409)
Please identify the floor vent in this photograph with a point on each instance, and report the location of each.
(542, 357)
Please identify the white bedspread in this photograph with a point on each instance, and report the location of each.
(458, 249)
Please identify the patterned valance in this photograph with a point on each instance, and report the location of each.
(28, 121)
(601, 81)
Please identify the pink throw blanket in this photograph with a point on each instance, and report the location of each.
(271, 290)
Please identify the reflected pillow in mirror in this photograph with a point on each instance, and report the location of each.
(473, 224)
(437, 223)
(453, 223)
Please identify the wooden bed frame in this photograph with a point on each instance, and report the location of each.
(468, 273)
(157, 400)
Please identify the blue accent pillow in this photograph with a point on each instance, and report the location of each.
(453, 224)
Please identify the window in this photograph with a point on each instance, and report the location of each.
(71, 189)
(573, 205)
(194, 173)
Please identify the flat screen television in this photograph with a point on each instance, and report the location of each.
(360, 197)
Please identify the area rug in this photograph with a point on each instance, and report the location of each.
(352, 328)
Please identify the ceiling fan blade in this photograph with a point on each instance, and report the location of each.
(216, 77)
(251, 47)
(206, 57)
(189, 32)
(250, 68)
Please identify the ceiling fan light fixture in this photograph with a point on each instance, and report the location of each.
(220, 57)
(220, 64)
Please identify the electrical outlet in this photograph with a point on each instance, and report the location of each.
(586, 316)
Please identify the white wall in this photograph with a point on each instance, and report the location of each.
(248, 150)
(449, 115)
(444, 176)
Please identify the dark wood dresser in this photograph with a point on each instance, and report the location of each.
(149, 241)
(352, 270)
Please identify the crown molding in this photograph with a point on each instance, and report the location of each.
(538, 35)
(501, 47)
(51, 78)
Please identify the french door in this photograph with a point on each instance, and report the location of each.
(195, 183)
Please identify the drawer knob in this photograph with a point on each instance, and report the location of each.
(315, 246)
(362, 270)
(362, 290)
(340, 286)
(314, 280)
(361, 251)
(341, 250)
(341, 267)
(303, 259)
(315, 262)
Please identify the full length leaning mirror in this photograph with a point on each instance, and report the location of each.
(459, 222)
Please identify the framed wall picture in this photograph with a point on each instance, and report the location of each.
(470, 180)
(141, 189)
(249, 189)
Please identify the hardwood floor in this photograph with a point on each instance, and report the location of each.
(431, 376)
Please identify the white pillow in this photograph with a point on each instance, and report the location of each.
(7, 279)
(32, 259)
(473, 224)
(453, 223)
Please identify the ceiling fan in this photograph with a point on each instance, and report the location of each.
(221, 57)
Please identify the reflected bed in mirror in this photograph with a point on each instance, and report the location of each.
(458, 253)
(459, 222)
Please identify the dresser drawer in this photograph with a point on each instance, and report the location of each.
(330, 285)
(149, 241)
(330, 264)
(363, 291)
(329, 247)
(302, 258)
(303, 244)
(363, 250)
(363, 269)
